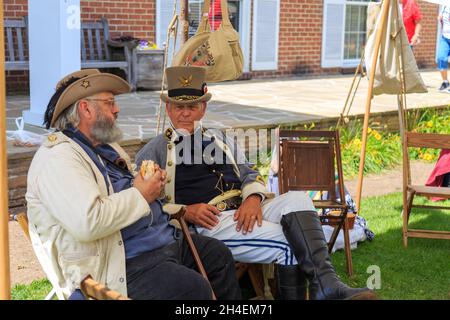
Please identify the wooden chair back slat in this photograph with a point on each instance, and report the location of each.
(98, 43)
(91, 45)
(306, 133)
(105, 24)
(20, 44)
(10, 41)
(83, 46)
(428, 140)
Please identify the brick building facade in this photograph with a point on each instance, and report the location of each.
(299, 46)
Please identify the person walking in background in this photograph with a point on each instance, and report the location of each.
(215, 15)
(444, 47)
(411, 19)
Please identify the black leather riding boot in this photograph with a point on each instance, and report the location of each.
(304, 233)
(291, 283)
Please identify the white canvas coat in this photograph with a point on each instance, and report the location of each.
(77, 222)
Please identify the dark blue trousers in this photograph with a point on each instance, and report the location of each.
(170, 273)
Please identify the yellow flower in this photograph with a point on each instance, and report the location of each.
(377, 136)
(427, 157)
(430, 124)
(357, 142)
(369, 130)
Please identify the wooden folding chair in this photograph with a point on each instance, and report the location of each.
(308, 161)
(44, 261)
(259, 278)
(421, 140)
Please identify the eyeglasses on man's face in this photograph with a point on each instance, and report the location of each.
(109, 102)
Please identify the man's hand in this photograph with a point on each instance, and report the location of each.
(248, 213)
(203, 215)
(415, 40)
(151, 188)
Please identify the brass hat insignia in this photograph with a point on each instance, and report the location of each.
(85, 84)
(185, 82)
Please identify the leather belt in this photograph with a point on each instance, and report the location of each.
(229, 204)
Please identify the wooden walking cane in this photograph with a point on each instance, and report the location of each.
(5, 280)
(381, 29)
(180, 217)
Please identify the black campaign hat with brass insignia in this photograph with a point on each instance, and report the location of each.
(186, 85)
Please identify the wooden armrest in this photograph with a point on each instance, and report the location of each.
(97, 291)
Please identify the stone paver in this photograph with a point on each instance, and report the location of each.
(256, 103)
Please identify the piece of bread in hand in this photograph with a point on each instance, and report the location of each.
(147, 169)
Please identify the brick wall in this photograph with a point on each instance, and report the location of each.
(425, 52)
(300, 38)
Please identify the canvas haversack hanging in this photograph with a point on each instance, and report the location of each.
(218, 51)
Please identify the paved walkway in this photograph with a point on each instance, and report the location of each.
(256, 103)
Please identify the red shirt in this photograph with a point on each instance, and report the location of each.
(215, 15)
(411, 16)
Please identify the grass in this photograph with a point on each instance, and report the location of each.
(420, 271)
(37, 290)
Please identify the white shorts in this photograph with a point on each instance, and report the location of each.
(265, 244)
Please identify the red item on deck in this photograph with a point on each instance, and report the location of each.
(442, 167)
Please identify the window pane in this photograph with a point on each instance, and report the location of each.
(355, 29)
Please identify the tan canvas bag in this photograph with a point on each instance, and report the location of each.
(218, 51)
(393, 43)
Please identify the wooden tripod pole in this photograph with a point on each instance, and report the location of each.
(5, 280)
(380, 31)
(184, 15)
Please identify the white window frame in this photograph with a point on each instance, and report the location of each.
(264, 66)
(342, 62)
(245, 31)
(350, 62)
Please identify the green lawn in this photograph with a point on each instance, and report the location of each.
(37, 290)
(421, 271)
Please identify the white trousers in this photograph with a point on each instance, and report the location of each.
(265, 244)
